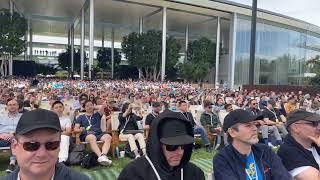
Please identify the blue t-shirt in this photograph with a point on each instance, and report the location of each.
(252, 169)
(95, 121)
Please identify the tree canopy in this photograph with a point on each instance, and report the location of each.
(64, 59)
(144, 52)
(200, 59)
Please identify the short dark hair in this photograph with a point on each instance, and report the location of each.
(125, 107)
(56, 102)
(84, 104)
(182, 101)
(227, 105)
(10, 99)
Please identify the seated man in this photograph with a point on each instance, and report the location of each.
(156, 108)
(270, 124)
(273, 114)
(169, 149)
(300, 151)
(183, 108)
(245, 158)
(65, 123)
(211, 121)
(89, 124)
(8, 123)
(36, 146)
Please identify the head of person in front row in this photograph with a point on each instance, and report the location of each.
(169, 149)
(245, 158)
(300, 151)
(36, 147)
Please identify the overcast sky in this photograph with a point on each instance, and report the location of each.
(306, 10)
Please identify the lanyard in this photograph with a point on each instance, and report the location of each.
(274, 113)
(153, 114)
(156, 172)
(127, 120)
(89, 119)
(185, 115)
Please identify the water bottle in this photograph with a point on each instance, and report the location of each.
(117, 152)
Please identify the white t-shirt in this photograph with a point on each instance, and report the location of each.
(294, 172)
(65, 122)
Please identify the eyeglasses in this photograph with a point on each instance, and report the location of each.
(312, 123)
(34, 146)
(174, 147)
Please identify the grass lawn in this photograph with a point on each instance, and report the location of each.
(201, 158)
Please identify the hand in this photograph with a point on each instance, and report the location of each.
(316, 140)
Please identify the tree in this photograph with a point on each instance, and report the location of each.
(12, 28)
(64, 60)
(104, 59)
(144, 51)
(200, 59)
(314, 65)
(172, 57)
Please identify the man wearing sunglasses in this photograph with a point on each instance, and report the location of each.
(244, 158)
(36, 147)
(300, 151)
(169, 150)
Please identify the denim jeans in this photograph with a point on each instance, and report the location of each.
(204, 137)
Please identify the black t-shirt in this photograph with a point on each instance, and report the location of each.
(294, 155)
(149, 118)
(271, 114)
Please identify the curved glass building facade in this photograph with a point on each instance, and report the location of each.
(281, 53)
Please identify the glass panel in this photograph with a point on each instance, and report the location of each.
(281, 54)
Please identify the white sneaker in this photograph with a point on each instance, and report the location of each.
(137, 156)
(104, 160)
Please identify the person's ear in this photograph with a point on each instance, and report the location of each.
(14, 146)
(231, 132)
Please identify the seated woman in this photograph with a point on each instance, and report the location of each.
(128, 121)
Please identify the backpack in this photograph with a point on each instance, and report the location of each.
(89, 160)
(76, 153)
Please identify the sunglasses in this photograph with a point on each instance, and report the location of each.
(34, 146)
(174, 147)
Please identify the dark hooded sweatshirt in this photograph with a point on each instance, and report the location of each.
(140, 168)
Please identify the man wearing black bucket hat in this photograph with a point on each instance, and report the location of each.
(244, 158)
(169, 149)
(36, 146)
(300, 152)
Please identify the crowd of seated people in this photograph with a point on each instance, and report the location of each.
(94, 109)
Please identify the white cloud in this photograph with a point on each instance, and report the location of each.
(306, 10)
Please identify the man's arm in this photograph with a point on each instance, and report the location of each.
(310, 173)
(222, 169)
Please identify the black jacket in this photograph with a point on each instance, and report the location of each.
(132, 123)
(294, 155)
(140, 168)
(61, 172)
(229, 164)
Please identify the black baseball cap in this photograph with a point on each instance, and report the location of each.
(238, 116)
(37, 119)
(301, 114)
(174, 132)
